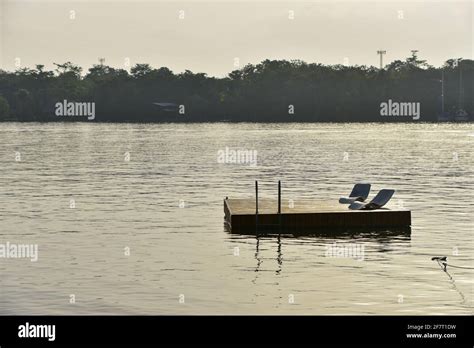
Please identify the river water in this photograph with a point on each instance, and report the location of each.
(128, 219)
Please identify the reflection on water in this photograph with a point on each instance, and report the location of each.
(148, 231)
(382, 237)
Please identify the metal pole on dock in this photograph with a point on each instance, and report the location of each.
(279, 203)
(256, 204)
(279, 197)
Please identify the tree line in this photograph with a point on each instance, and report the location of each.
(271, 91)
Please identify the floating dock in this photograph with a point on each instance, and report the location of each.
(241, 216)
(252, 215)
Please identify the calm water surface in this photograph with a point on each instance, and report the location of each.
(177, 251)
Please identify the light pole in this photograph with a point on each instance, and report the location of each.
(381, 53)
(442, 91)
(460, 83)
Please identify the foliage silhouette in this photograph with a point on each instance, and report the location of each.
(263, 92)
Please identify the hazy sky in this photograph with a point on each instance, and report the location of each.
(213, 34)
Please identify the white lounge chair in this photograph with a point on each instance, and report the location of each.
(360, 192)
(377, 202)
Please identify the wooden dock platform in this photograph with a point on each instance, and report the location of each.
(240, 216)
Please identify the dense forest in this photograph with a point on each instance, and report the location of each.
(271, 91)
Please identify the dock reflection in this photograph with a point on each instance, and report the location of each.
(379, 241)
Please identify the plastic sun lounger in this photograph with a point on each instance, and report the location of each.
(377, 202)
(360, 192)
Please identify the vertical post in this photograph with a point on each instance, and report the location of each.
(279, 203)
(256, 204)
(279, 197)
(256, 197)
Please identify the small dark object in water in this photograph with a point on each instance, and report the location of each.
(442, 261)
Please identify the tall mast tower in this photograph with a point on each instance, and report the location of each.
(381, 53)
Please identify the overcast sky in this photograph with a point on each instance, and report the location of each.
(215, 35)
